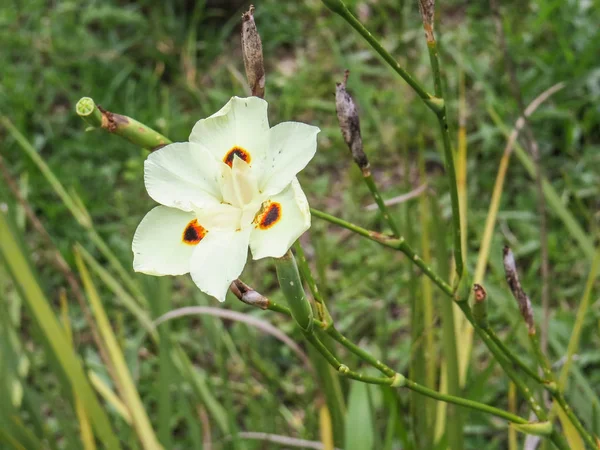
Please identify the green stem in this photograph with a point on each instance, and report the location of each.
(587, 437)
(126, 127)
(541, 358)
(363, 354)
(556, 393)
(514, 358)
(451, 170)
(394, 243)
(435, 103)
(370, 182)
(291, 285)
(448, 153)
(464, 402)
(342, 10)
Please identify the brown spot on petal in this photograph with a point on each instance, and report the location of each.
(240, 152)
(269, 215)
(193, 233)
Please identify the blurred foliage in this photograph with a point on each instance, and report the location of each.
(169, 64)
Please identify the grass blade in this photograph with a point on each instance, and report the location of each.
(129, 393)
(53, 332)
(359, 420)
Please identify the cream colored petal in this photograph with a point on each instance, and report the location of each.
(218, 260)
(292, 145)
(180, 175)
(220, 217)
(242, 123)
(285, 217)
(159, 247)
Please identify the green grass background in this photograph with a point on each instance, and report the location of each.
(168, 64)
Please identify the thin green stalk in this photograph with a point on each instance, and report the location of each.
(464, 402)
(398, 244)
(549, 383)
(394, 243)
(514, 358)
(435, 103)
(541, 358)
(587, 437)
(448, 153)
(363, 354)
(342, 10)
(126, 127)
(451, 170)
(506, 365)
(380, 203)
(400, 381)
(291, 285)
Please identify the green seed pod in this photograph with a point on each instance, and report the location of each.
(291, 285)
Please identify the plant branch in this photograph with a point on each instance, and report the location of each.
(394, 379)
(393, 243)
(435, 103)
(340, 8)
(441, 113)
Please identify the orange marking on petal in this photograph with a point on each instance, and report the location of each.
(193, 233)
(269, 215)
(240, 152)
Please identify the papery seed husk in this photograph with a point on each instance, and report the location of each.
(253, 54)
(349, 121)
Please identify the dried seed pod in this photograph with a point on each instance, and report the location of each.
(248, 295)
(347, 114)
(253, 54)
(427, 8)
(512, 277)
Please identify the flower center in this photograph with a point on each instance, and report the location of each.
(193, 233)
(240, 152)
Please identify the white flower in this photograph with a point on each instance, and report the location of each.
(233, 185)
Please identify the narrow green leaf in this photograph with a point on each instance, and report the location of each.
(53, 332)
(359, 421)
(129, 392)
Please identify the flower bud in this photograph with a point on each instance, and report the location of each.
(350, 124)
(253, 54)
(512, 278)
